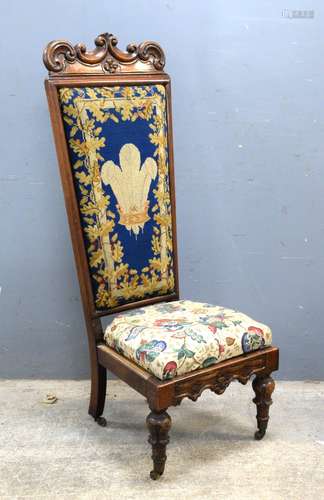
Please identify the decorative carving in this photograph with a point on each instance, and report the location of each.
(216, 383)
(159, 425)
(110, 65)
(56, 53)
(151, 50)
(263, 387)
(93, 56)
(60, 57)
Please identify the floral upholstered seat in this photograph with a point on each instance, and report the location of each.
(174, 338)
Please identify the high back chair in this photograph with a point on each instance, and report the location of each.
(111, 118)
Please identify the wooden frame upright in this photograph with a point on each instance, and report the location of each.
(106, 65)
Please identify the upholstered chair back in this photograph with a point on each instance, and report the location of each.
(118, 146)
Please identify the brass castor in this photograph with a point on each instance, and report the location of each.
(155, 475)
(259, 434)
(101, 421)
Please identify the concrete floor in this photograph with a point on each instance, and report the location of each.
(57, 452)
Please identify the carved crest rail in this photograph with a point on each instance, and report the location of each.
(61, 58)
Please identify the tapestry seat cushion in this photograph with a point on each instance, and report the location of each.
(174, 338)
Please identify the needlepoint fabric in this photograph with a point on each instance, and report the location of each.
(118, 148)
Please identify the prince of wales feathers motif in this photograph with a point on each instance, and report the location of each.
(131, 185)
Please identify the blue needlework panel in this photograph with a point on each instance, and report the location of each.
(117, 140)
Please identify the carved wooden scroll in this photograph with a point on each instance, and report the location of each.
(61, 58)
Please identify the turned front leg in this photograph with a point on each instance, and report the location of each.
(263, 387)
(159, 424)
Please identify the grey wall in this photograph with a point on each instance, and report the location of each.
(248, 93)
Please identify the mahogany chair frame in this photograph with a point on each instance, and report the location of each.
(106, 65)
